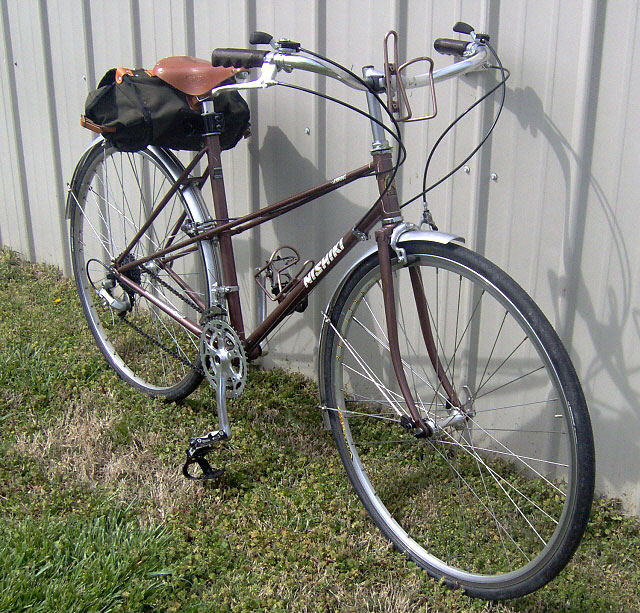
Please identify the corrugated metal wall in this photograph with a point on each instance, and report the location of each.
(560, 214)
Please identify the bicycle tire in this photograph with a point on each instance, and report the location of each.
(111, 196)
(497, 504)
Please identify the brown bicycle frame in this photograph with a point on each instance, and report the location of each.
(228, 228)
(385, 209)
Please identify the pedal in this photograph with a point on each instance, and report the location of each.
(208, 473)
(278, 272)
(199, 447)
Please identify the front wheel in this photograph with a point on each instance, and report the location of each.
(498, 498)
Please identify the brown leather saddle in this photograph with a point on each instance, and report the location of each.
(191, 75)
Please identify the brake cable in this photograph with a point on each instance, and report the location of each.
(505, 76)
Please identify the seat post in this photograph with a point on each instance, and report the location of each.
(214, 125)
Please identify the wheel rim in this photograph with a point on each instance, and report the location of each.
(490, 502)
(115, 195)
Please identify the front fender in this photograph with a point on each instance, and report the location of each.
(428, 236)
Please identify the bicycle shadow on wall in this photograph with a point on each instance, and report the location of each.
(608, 331)
(311, 223)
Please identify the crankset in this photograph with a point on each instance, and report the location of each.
(223, 358)
(224, 364)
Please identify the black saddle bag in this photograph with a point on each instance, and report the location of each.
(133, 109)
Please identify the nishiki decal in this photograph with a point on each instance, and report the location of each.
(323, 263)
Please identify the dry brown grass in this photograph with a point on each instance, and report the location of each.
(79, 446)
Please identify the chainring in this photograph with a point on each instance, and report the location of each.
(222, 355)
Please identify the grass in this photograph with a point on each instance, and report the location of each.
(96, 517)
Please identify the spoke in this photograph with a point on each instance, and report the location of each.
(404, 362)
(101, 238)
(377, 443)
(366, 303)
(360, 399)
(399, 399)
(373, 378)
(517, 406)
(464, 332)
(504, 453)
(520, 431)
(498, 479)
(482, 384)
(473, 493)
(436, 327)
(349, 413)
(520, 458)
(129, 220)
(495, 389)
(495, 343)
(452, 362)
(123, 191)
(498, 476)
(493, 512)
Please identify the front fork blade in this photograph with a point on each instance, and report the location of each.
(384, 256)
(427, 335)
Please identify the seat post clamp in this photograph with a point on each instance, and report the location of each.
(213, 123)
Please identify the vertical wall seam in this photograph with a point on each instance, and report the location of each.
(547, 96)
(253, 168)
(582, 141)
(190, 27)
(626, 103)
(481, 185)
(88, 45)
(136, 33)
(17, 135)
(54, 134)
(321, 136)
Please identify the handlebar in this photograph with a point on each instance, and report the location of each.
(287, 57)
(450, 46)
(238, 58)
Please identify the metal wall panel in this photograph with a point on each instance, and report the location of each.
(558, 214)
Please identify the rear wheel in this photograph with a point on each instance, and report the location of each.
(498, 498)
(111, 197)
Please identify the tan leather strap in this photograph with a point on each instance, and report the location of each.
(120, 72)
(85, 122)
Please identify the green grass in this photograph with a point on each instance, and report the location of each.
(96, 517)
(101, 561)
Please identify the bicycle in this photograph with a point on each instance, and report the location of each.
(455, 408)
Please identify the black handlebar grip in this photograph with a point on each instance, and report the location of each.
(238, 58)
(450, 46)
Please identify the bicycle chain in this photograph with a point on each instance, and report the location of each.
(186, 300)
(193, 365)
